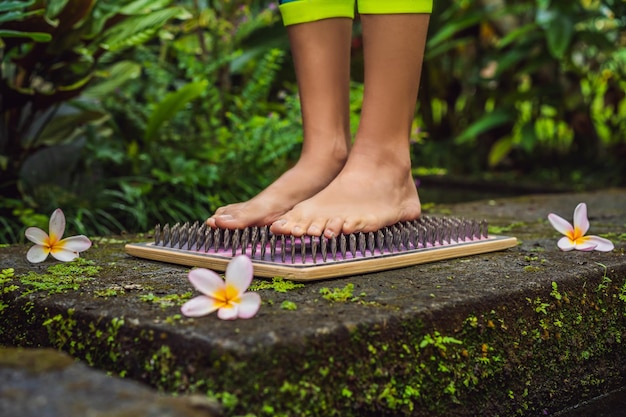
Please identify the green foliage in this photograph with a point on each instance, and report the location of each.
(165, 129)
(535, 86)
(50, 52)
(128, 113)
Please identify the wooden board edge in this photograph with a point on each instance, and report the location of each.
(331, 270)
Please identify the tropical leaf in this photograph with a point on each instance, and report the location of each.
(115, 77)
(143, 6)
(454, 26)
(36, 36)
(559, 35)
(55, 7)
(520, 33)
(499, 150)
(63, 129)
(18, 15)
(8, 6)
(484, 124)
(171, 104)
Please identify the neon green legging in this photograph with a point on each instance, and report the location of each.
(302, 11)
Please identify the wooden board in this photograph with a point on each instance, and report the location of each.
(323, 270)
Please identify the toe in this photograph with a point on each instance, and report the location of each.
(297, 230)
(360, 224)
(226, 221)
(333, 227)
(351, 225)
(316, 228)
(280, 227)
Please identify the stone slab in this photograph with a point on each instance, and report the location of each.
(527, 331)
(47, 383)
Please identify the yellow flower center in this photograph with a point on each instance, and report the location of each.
(576, 235)
(227, 296)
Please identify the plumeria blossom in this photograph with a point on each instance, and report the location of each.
(62, 249)
(575, 235)
(227, 296)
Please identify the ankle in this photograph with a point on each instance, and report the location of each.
(332, 156)
(377, 156)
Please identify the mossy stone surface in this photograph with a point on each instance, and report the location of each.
(525, 331)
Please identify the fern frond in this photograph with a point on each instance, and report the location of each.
(133, 28)
(258, 87)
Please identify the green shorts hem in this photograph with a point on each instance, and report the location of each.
(395, 6)
(304, 11)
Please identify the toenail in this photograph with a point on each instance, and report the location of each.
(313, 231)
(280, 222)
(297, 231)
(225, 216)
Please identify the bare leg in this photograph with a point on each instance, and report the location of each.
(321, 53)
(375, 187)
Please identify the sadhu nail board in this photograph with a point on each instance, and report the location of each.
(304, 258)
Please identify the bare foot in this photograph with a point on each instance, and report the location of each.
(311, 174)
(371, 192)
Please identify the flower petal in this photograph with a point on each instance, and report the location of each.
(75, 243)
(601, 244)
(37, 254)
(206, 281)
(199, 306)
(63, 255)
(580, 218)
(57, 225)
(228, 312)
(239, 273)
(566, 244)
(249, 305)
(36, 235)
(560, 224)
(585, 245)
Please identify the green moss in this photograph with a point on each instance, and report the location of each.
(169, 300)
(614, 237)
(6, 277)
(97, 342)
(163, 363)
(109, 292)
(60, 278)
(278, 284)
(498, 230)
(174, 319)
(61, 331)
(341, 295)
(288, 305)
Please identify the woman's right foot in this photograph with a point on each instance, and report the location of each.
(309, 176)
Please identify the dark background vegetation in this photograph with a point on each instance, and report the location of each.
(125, 113)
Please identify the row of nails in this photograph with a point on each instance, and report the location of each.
(421, 233)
